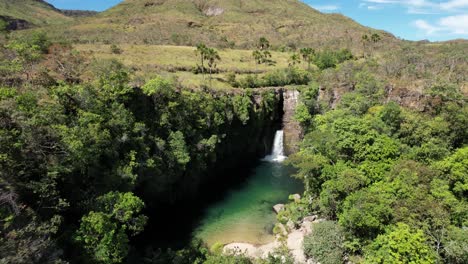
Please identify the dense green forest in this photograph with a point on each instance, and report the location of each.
(393, 182)
(74, 154)
(90, 162)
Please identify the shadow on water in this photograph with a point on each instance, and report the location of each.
(225, 209)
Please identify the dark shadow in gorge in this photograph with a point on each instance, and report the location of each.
(172, 225)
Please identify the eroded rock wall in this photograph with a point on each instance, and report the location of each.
(293, 131)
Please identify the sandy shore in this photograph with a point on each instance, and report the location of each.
(294, 241)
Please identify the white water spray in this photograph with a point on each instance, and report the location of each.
(277, 155)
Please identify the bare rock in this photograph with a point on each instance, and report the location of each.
(278, 208)
(296, 197)
(282, 229)
(310, 218)
(293, 131)
(213, 11)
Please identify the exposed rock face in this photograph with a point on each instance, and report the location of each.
(411, 98)
(15, 24)
(293, 132)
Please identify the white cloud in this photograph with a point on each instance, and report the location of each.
(425, 26)
(454, 4)
(457, 24)
(423, 6)
(326, 7)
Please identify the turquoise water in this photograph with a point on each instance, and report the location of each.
(246, 214)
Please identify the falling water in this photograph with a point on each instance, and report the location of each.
(277, 154)
(245, 214)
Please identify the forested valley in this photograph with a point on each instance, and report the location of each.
(104, 158)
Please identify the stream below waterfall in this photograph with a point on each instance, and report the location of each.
(245, 214)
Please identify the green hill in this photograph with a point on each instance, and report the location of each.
(31, 12)
(221, 23)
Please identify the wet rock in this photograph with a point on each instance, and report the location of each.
(278, 208)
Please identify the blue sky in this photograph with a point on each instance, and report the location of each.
(408, 19)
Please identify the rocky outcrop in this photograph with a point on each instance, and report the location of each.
(15, 24)
(213, 11)
(411, 98)
(408, 98)
(293, 241)
(293, 131)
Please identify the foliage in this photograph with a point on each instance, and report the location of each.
(104, 233)
(455, 248)
(400, 245)
(325, 243)
(283, 77)
(329, 59)
(371, 167)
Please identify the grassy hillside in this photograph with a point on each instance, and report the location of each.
(221, 23)
(36, 12)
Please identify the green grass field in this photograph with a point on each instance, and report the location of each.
(182, 56)
(178, 61)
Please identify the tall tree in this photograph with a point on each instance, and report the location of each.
(307, 55)
(263, 44)
(202, 52)
(365, 40)
(262, 55)
(212, 57)
(104, 232)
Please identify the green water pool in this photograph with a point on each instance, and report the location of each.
(245, 214)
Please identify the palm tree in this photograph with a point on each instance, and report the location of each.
(212, 57)
(294, 59)
(202, 51)
(263, 44)
(258, 57)
(307, 56)
(375, 38)
(365, 39)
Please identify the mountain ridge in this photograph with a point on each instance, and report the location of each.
(34, 12)
(221, 23)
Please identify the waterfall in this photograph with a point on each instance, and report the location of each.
(277, 154)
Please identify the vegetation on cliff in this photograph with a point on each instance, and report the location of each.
(96, 137)
(393, 179)
(81, 160)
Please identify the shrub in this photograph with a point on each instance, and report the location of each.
(400, 245)
(115, 49)
(325, 243)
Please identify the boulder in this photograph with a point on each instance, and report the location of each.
(296, 197)
(278, 208)
(310, 218)
(290, 225)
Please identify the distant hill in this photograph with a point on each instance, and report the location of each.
(78, 13)
(27, 13)
(221, 23)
